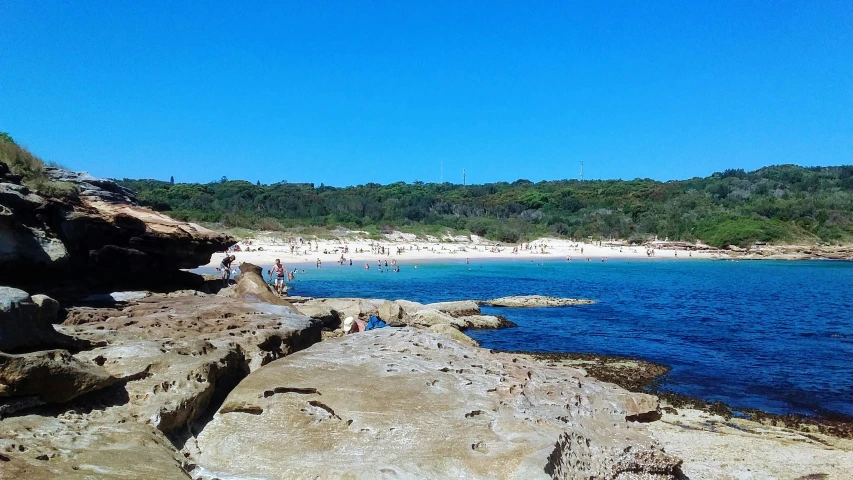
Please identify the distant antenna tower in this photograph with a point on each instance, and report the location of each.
(463, 177)
(581, 170)
(442, 171)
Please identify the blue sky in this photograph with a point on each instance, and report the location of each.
(346, 93)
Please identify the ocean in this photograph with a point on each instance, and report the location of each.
(770, 335)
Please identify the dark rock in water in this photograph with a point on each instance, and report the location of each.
(26, 324)
(95, 237)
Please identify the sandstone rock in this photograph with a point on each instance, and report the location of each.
(247, 267)
(81, 315)
(96, 238)
(78, 447)
(54, 376)
(115, 297)
(26, 326)
(409, 404)
(454, 333)
(462, 308)
(345, 307)
(641, 408)
(485, 321)
(428, 317)
(48, 308)
(390, 311)
(251, 286)
(409, 307)
(320, 311)
(174, 357)
(534, 301)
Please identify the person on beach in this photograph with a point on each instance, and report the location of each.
(318, 263)
(225, 268)
(352, 325)
(277, 273)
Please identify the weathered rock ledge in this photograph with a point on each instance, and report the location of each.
(120, 409)
(97, 237)
(462, 315)
(404, 403)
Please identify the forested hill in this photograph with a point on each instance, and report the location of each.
(783, 204)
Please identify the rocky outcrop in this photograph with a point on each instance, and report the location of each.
(461, 314)
(81, 447)
(489, 322)
(97, 236)
(462, 308)
(26, 323)
(252, 286)
(405, 403)
(534, 301)
(168, 360)
(52, 376)
(454, 333)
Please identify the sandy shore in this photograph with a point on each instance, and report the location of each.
(405, 249)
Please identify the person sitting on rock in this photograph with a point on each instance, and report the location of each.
(225, 268)
(352, 325)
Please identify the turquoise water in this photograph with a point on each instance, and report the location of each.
(776, 336)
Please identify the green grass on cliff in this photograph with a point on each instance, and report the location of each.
(31, 169)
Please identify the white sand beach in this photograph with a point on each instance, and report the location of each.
(406, 248)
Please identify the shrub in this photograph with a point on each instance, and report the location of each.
(31, 169)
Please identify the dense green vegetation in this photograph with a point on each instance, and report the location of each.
(31, 169)
(775, 204)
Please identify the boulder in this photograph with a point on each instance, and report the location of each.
(252, 286)
(485, 322)
(26, 326)
(320, 311)
(390, 311)
(452, 332)
(345, 307)
(48, 308)
(462, 308)
(405, 403)
(534, 301)
(428, 317)
(54, 376)
(247, 267)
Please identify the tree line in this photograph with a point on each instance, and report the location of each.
(784, 203)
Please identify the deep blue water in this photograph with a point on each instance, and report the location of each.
(777, 336)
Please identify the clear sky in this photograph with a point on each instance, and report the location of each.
(352, 92)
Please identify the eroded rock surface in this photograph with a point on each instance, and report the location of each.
(534, 301)
(462, 314)
(26, 323)
(404, 403)
(170, 359)
(51, 376)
